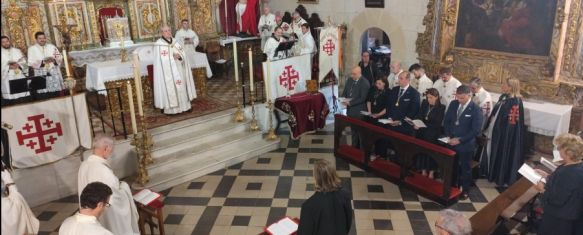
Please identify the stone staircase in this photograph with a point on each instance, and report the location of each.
(193, 148)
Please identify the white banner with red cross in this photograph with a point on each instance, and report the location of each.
(44, 132)
(288, 76)
(329, 51)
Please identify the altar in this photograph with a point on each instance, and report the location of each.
(81, 58)
(98, 73)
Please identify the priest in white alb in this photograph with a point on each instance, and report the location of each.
(94, 200)
(446, 85)
(17, 218)
(46, 60)
(173, 83)
(266, 25)
(13, 65)
(308, 44)
(272, 44)
(481, 97)
(189, 41)
(122, 216)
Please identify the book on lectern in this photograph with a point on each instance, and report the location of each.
(146, 196)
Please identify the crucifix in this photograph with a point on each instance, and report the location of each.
(65, 30)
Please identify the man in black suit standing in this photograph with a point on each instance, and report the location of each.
(403, 103)
(462, 124)
(355, 92)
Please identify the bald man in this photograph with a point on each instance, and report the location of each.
(394, 76)
(355, 92)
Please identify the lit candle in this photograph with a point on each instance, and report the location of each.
(138, 82)
(66, 63)
(266, 81)
(250, 69)
(132, 111)
(236, 60)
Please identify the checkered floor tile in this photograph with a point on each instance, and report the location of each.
(245, 197)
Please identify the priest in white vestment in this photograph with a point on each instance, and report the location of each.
(13, 67)
(481, 97)
(287, 31)
(308, 43)
(272, 44)
(94, 200)
(296, 24)
(189, 41)
(423, 82)
(122, 216)
(395, 70)
(447, 86)
(17, 218)
(173, 83)
(266, 25)
(46, 59)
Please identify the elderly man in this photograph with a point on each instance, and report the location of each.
(122, 216)
(189, 41)
(355, 94)
(94, 200)
(308, 43)
(446, 85)
(46, 60)
(266, 25)
(396, 69)
(173, 83)
(481, 97)
(13, 67)
(451, 222)
(423, 82)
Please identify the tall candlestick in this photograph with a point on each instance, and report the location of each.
(250, 69)
(138, 82)
(66, 63)
(235, 58)
(266, 81)
(132, 111)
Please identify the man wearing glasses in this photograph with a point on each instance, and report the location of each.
(452, 222)
(94, 200)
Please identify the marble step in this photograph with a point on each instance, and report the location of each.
(211, 161)
(170, 131)
(202, 147)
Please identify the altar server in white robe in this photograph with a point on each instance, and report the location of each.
(173, 83)
(46, 59)
(17, 218)
(423, 82)
(308, 43)
(266, 25)
(481, 97)
(94, 200)
(297, 23)
(13, 65)
(272, 44)
(446, 85)
(189, 41)
(122, 216)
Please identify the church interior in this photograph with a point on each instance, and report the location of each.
(216, 116)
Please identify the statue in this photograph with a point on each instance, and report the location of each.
(246, 11)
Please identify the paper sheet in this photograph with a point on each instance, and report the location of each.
(529, 173)
(444, 139)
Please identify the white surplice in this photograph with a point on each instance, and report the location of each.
(296, 26)
(173, 83)
(82, 224)
(195, 59)
(17, 218)
(12, 55)
(423, 84)
(484, 100)
(36, 55)
(270, 46)
(392, 79)
(447, 89)
(122, 216)
(308, 44)
(265, 27)
(287, 29)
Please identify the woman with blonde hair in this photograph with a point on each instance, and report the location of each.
(563, 192)
(328, 211)
(505, 131)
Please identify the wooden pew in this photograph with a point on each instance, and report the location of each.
(406, 148)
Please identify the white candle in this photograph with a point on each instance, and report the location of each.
(250, 69)
(236, 60)
(132, 111)
(66, 63)
(138, 82)
(266, 81)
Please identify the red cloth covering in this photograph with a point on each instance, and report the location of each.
(249, 18)
(307, 112)
(231, 15)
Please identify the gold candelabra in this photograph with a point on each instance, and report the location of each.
(271, 133)
(239, 114)
(253, 124)
(142, 177)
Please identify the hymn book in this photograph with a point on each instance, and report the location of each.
(146, 196)
(444, 139)
(284, 226)
(388, 121)
(416, 122)
(530, 174)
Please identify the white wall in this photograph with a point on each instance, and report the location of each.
(400, 19)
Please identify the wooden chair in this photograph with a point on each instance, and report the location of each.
(149, 213)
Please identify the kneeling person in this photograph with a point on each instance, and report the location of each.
(94, 200)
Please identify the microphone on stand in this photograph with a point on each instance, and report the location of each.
(6, 126)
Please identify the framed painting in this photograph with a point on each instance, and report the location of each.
(512, 26)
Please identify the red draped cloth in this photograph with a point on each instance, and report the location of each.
(249, 18)
(307, 112)
(231, 15)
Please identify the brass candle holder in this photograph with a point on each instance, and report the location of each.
(271, 133)
(142, 177)
(146, 143)
(253, 124)
(239, 114)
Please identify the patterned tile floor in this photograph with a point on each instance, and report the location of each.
(245, 197)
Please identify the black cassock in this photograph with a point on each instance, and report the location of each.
(506, 141)
(326, 213)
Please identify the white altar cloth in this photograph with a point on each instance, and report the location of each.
(198, 60)
(231, 39)
(100, 72)
(84, 57)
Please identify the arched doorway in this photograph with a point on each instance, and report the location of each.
(376, 41)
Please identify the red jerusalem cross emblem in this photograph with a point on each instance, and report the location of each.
(514, 115)
(36, 134)
(329, 47)
(289, 78)
(164, 53)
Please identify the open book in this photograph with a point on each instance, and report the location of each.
(548, 164)
(416, 122)
(530, 174)
(365, 113)
(388, 121)
(444, 139)
(146, 196)
(284, 226)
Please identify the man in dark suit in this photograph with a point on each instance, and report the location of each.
(355, 92)
(462, 123)
(403, 103)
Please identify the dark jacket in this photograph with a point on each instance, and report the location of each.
(358, 92)
(468, 128)
(433, 120)
(326, 213)
(369, 72)
(400, 108)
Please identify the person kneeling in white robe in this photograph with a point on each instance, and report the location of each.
(122, 217)
(17, 218)
(173, 83)
(94, 200)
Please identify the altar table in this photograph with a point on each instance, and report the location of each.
(100, 72)
(84, 57)
(307, 112)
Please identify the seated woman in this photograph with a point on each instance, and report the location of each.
(376, 105)
(563, 191)
(431, 114)
(328, 211)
